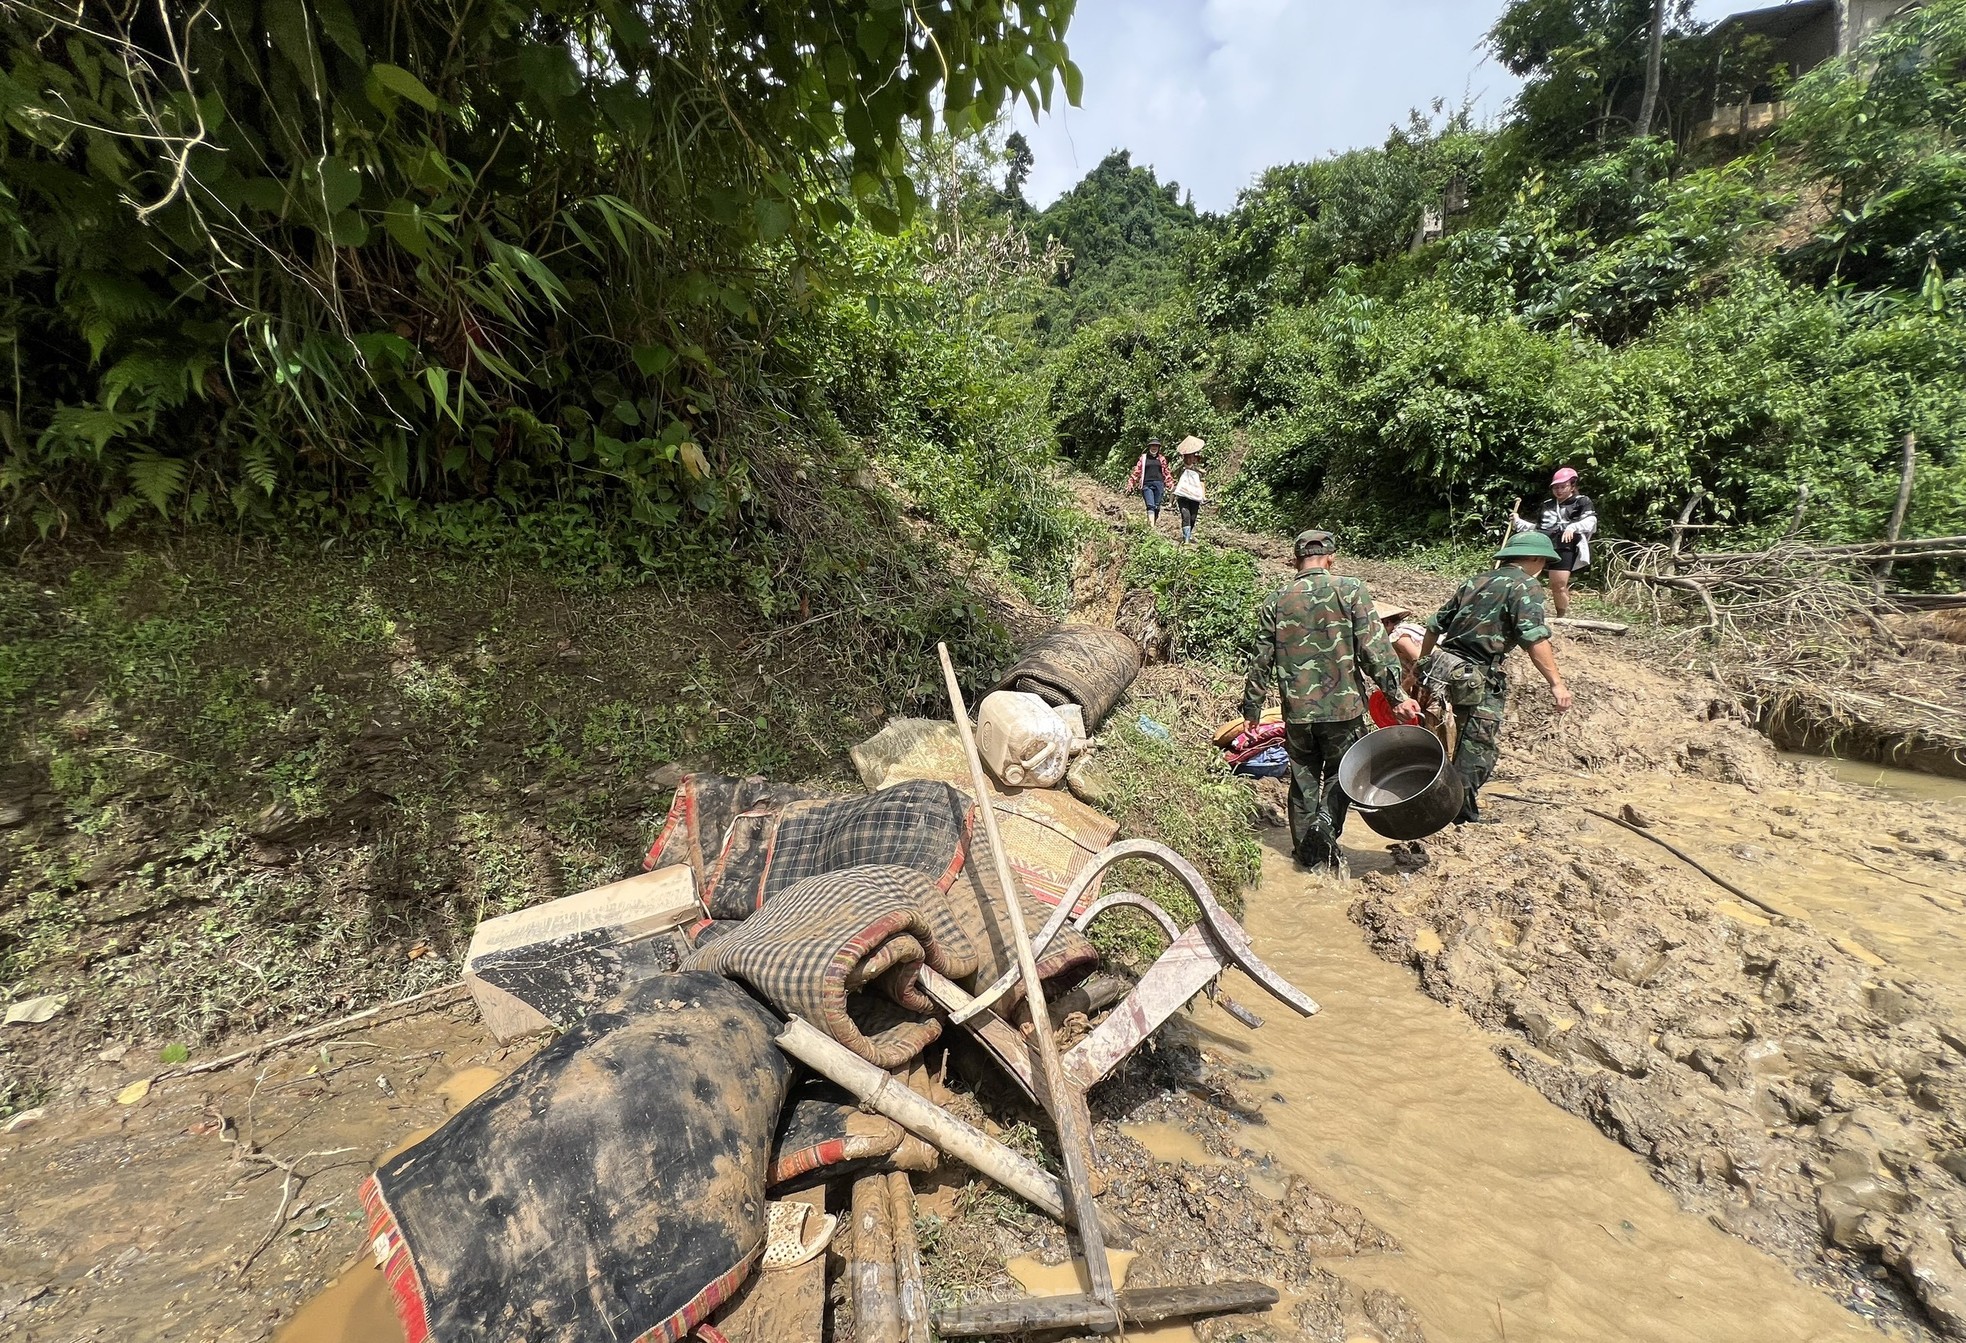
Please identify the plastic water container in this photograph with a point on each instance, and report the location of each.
(1023, 741)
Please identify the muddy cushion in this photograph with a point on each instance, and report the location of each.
(1087, 665)
(814, 947)
(611, 1188)
(824, 1133)
(772, 839)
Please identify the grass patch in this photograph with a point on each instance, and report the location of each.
(1208, 594)
(1174, 790)
(255, 784)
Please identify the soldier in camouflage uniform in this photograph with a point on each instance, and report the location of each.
(1319, 639)
(1486, 617)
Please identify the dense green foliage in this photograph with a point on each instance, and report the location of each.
(374, 259)
(1746, 320)
(1124, 233)
(1206, 593)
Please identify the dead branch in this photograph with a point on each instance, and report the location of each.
(417, 1002)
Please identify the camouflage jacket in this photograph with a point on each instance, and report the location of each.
(1490, 614)
(1320, 640)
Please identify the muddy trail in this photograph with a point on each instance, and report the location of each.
(1795, 1074)
(1755, 1135)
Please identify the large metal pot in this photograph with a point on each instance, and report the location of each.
(1401, 781)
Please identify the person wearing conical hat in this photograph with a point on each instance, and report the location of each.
(1189, 493)
(1406, 635)
(1468, 638)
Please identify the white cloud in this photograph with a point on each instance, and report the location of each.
(1211, 92)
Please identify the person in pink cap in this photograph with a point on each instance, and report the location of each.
(1569, 519)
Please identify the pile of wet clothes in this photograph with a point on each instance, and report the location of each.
(615, 1186)
(1257, 752)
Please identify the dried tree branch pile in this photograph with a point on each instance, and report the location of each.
(1800, 630)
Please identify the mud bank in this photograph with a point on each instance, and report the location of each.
(1801, 1080)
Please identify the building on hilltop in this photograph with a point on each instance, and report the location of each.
(1798, 38)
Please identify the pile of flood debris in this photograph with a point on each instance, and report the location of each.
(742, 1077)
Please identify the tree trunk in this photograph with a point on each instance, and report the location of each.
(1649, 104)
(1897, 523)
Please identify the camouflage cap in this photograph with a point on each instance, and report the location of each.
(1315, 542)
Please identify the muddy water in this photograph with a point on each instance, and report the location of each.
(356, 1309)
(1831, 858)
(1041, 1279)
(1905, 784)
(1519, 1221)
(1171, 1142)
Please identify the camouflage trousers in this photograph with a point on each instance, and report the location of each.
(1317, 804)
(1478, 741)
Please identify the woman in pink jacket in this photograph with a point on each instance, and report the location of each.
(1151, 476)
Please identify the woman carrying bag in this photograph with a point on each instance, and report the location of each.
(1189, 493)
(1151, 475)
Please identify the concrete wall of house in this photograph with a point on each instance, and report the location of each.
(1861, 18)
(1814, 43)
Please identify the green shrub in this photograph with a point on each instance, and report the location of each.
(1206, 594)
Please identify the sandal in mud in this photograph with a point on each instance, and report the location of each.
(786, 1243)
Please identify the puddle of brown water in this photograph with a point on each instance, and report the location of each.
(1519, 1221)
(1040, 1279)
(408, 1141)
(466, 1085)
(355, 1309)
(1171, 1142)
(1903, 784)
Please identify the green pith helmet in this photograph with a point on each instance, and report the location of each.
(1527, 546)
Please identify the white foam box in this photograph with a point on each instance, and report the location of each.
(546, 966)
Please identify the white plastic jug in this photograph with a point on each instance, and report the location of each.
(1023, 741)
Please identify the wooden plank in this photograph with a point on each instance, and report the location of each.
(1074, 1141)
(1138, 1305)
(911, 1288)
(870, 1266)
(529, 968)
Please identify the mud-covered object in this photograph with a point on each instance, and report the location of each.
(707, 811)
(824, 1133)
(817, 949)
(611, 1188)
(779, 838)
(1048, 834)
(1087, 665)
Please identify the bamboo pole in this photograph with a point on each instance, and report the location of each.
(911, 1290)
(1139, 1305)
(885, 1095)
(1898, 510)
(1074, 1141)
(870, 1269)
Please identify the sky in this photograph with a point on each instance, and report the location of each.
(1211, 92)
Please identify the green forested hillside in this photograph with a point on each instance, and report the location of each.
(585, 279)
(1126, 235)
(608, 294)
(1663, 313)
